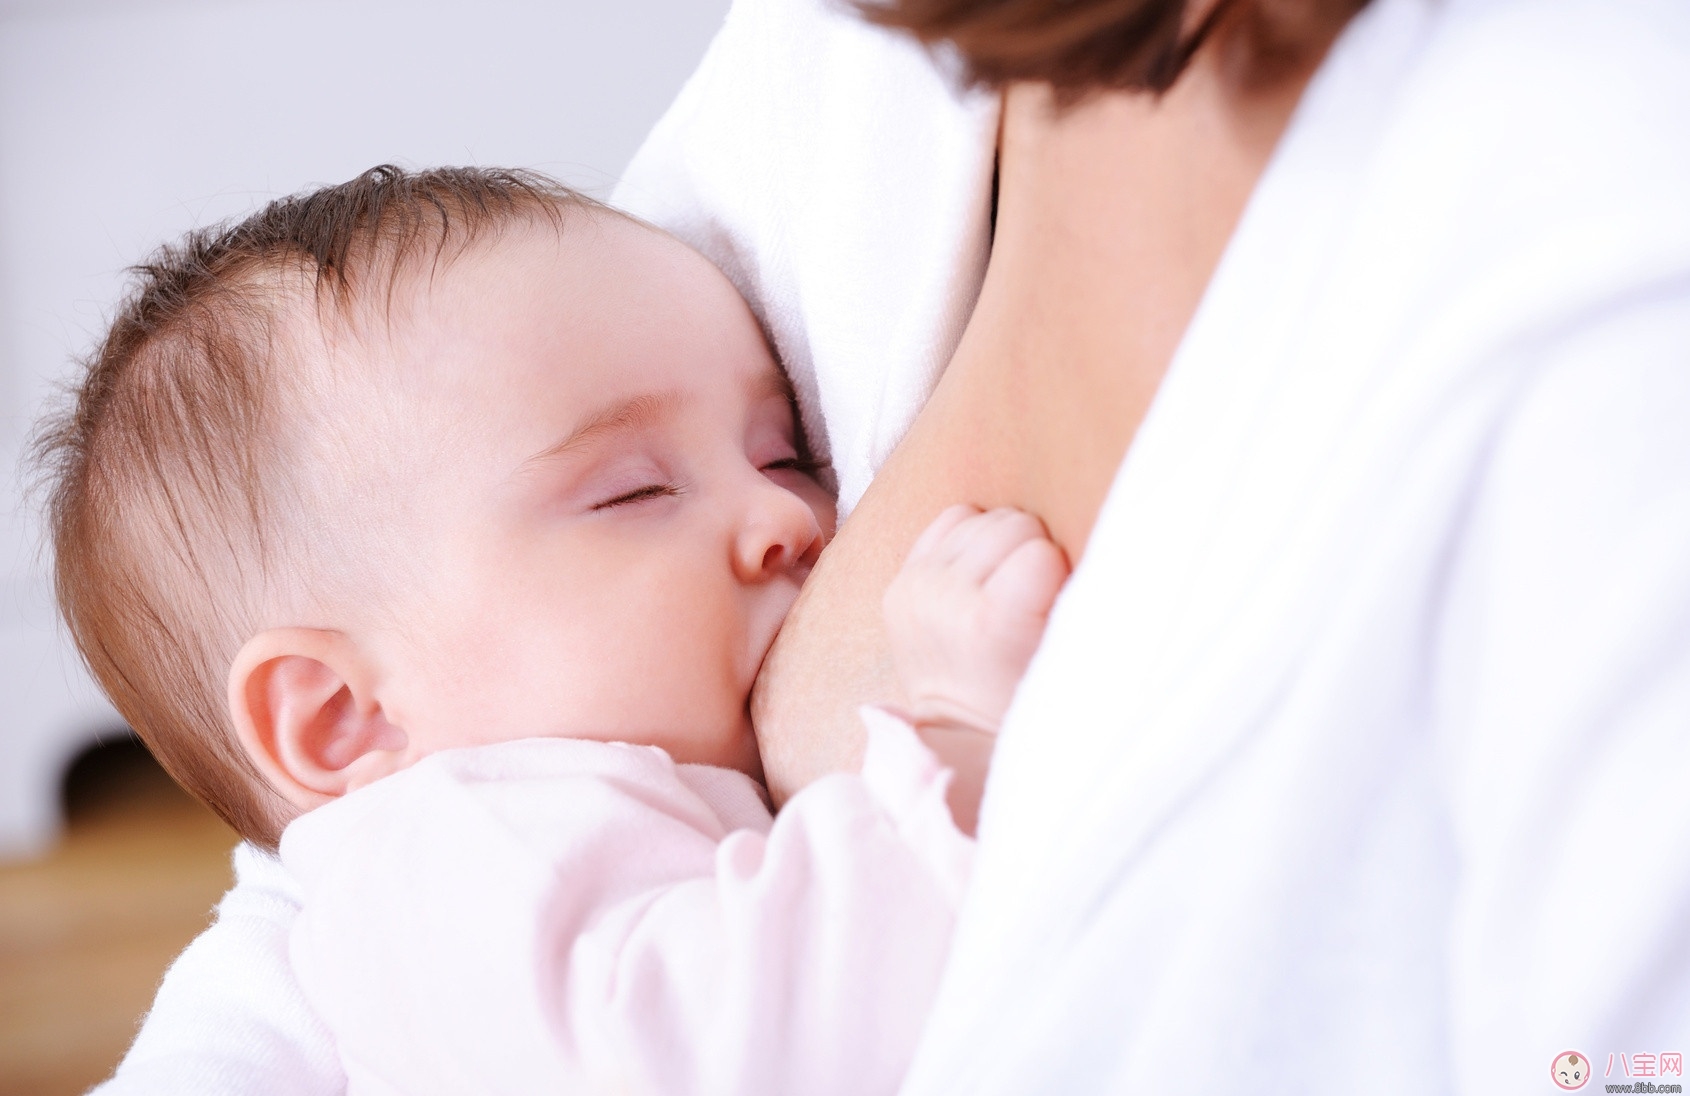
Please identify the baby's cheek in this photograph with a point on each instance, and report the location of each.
(690, 670)
(827, 512)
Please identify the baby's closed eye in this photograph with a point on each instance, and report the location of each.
(804, 465)
(640, 494)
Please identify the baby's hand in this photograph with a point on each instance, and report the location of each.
(967, 610)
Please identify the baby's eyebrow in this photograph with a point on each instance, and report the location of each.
(773, 383)
(618, 418)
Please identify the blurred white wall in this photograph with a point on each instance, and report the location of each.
(125, 122)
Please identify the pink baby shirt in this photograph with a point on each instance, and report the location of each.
(569, 916)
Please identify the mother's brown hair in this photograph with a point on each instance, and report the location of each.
(1084, 45)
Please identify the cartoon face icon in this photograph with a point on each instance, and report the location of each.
(1570, 1070)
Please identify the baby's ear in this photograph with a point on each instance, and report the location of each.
(304, 708)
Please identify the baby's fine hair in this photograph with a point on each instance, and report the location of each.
(167, 495)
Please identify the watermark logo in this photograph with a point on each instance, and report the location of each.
(1639, 1064)
(1643, 1072)
(1570, 1070)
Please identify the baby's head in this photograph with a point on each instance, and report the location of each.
(423, 461)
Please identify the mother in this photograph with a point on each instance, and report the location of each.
(1375, 668)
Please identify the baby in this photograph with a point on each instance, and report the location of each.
(435, 526)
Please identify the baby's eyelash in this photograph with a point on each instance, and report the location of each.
(650, 491)
(804, 465)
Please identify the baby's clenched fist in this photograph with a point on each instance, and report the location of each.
(967, 610)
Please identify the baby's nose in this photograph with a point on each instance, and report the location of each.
(780, 535)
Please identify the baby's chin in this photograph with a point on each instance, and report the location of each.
(727, 743)
(735, 747)
(740, 751)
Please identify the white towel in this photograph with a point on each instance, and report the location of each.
(844, 184)
(230, 1016)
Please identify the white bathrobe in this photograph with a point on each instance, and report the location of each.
(1357, 754)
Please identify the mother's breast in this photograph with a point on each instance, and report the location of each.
(1111, 217)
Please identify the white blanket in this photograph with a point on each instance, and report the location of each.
(1356, 754)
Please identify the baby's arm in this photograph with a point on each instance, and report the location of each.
(558, 915)
(963, 618)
